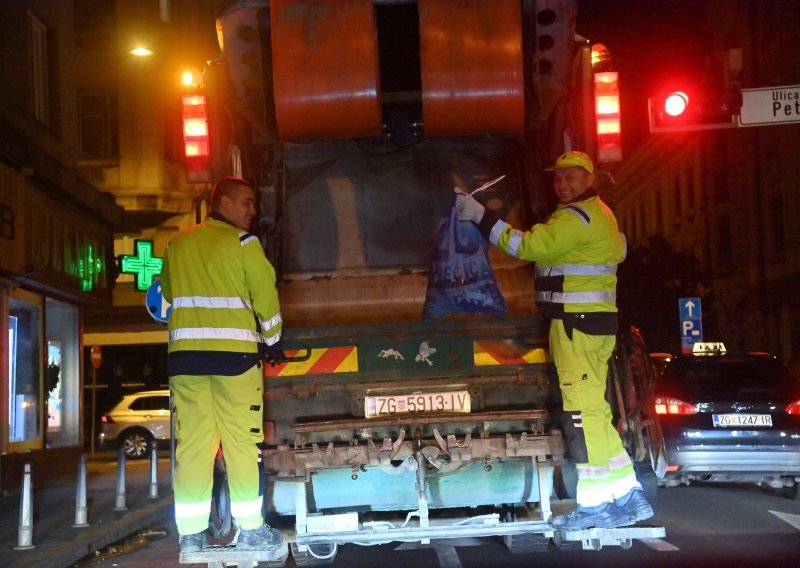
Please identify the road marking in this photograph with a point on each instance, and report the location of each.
(793, 520)
(658, 544)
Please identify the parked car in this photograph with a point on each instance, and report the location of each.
(136, 421)
(730, 418)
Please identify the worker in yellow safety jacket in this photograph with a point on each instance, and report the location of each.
(225, 319)
(576, 251)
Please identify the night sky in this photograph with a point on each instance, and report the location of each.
(654, 44)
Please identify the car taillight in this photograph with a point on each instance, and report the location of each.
(106, 420)
(793, 408)
(666, 405)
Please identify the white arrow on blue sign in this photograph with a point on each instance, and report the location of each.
(691, 312)
(156, 305)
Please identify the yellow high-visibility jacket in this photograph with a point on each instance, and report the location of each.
(576, 250)
(222, 290)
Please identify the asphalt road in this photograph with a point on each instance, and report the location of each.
(706, 525)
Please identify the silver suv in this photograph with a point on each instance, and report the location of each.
(135, 422)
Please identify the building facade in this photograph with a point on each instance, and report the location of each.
(56, 244)
(726, 198)
(131, 147)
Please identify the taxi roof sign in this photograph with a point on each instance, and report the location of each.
(708, 348)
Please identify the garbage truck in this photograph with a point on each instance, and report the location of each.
(356, 119)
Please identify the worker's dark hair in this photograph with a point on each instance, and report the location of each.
(225, 187)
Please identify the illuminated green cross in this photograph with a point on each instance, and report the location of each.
(143, 265)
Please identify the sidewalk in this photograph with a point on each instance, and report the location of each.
(57, 543)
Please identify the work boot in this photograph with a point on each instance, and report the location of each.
(192, 542)
(634, 506)
(262, 538)
(603, 516)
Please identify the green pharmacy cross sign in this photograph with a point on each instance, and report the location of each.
(143, 265)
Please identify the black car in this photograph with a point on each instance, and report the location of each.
(730, 418)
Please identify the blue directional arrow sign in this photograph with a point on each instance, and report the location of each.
(691, 313)
(155, 303)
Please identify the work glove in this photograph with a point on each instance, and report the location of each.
(468, 208)
(274, 353)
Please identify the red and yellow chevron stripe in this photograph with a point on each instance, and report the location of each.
(323, 360)
(507, 352)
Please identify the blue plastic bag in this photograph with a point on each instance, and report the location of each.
(460, 279)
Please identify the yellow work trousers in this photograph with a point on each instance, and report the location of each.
(208, 410)
(605, 471)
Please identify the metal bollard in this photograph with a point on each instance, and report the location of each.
(25, 536)
(119, 504)
(153, 470)
(80, 495)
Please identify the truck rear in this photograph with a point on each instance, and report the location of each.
(357, 119)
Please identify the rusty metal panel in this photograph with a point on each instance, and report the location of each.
(325, 69)
(471, 58)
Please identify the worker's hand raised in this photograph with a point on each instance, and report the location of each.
(468, 208)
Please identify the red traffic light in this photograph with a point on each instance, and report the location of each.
(676, 103)
(699, 107)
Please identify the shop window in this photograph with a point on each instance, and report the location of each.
(62, 374)
(25, 369)
(43, 373)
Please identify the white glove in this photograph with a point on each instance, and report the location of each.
(468, 208)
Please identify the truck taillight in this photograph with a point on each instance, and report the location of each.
(793, 408)
(666, 405)
(195, 138)
(607, 115)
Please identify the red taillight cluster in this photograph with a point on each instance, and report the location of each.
(793, 408)
(196, 138)
(106, 420)
(666, 405)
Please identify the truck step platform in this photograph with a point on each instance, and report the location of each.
(595, 539)
(219, 556)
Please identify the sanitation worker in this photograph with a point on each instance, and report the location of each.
(576, 251)
(225, 319)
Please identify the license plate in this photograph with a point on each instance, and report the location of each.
(391, 405)
(725, 420)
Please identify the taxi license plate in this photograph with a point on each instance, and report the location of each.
(391, 405)
(726, 420)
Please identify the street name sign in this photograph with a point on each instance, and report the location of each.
(691, 316)
(770, 105)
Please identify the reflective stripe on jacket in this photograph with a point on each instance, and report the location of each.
(218, 281)
(576, 251)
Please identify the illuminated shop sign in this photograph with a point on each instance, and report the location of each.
(143, 264)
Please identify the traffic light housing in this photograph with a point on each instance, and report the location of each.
(688, 109)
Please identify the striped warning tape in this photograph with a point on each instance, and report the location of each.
(507, 352)
(322, 360)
